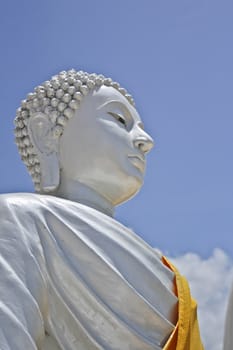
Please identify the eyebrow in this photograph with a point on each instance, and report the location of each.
(114, 101)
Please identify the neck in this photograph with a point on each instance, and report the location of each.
(81, 193)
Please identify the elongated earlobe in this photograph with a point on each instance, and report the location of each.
(46, 144)
(50, 173)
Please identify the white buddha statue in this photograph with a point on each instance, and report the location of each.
(72, 277)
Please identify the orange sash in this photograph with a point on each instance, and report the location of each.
(186, 335)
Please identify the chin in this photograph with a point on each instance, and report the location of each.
(137, 183)
(132, 186)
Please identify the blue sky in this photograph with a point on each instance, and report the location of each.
(176, 58)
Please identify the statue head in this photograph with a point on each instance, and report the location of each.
(83, 127)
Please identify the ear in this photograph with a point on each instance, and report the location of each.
(46, 145)
(40, 132)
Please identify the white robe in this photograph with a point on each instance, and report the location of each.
(73, 278)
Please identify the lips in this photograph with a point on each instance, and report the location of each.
(138, 161)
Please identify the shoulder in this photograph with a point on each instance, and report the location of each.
(33, 205)
(22, 205)
(18, 200)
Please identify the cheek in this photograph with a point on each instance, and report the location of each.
(116, 139)
(113, 149)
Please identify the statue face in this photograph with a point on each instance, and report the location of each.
(104, 146)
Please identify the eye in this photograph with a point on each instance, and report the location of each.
(118, 117)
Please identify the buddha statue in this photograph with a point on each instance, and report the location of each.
(72, 277)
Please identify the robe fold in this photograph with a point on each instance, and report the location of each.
(73, 278)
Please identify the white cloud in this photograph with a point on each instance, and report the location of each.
(210, 282)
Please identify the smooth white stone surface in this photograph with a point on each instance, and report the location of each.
(87, 280)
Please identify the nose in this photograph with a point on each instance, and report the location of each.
(144, 142)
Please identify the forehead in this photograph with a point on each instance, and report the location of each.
(108, 97)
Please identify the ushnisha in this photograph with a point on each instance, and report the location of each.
(57, 98)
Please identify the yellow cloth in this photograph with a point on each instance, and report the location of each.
(186, 335)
